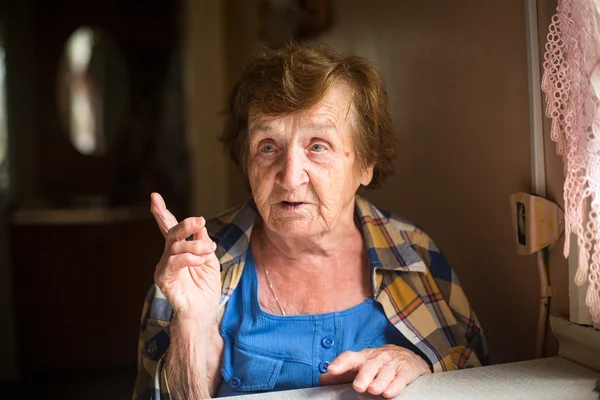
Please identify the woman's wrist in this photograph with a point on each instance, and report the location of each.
(194, 326)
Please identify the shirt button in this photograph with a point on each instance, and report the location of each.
(327, 342)
(235, 382)
(323, 366)
(152, 348)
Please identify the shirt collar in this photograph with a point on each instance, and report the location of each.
(388, 239)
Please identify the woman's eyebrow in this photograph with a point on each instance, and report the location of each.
(258, 126)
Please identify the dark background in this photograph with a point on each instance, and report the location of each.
(79, 288)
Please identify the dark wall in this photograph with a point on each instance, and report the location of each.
(79, 288)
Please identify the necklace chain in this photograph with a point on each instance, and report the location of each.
(262, 258)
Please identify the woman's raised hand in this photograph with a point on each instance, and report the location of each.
(188, 273)
(384, 370)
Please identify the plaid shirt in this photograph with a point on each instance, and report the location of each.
(418, 290)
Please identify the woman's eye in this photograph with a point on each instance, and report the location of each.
(317, 147)
(268, 148)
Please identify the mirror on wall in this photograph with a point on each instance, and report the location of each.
(92, 90)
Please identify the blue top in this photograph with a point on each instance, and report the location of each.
(267, 352)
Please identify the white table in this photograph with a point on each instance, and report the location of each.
(548, 378)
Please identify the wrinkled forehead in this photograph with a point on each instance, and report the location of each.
(335, 108)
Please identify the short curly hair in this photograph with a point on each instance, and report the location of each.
(297, 77)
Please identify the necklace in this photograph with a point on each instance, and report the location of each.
(262, 259)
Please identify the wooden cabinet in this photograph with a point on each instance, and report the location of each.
(80, 290)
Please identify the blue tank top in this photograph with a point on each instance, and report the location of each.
(267, 352)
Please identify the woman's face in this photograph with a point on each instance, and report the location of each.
(303, 169)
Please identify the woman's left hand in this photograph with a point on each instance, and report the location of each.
(384, 370)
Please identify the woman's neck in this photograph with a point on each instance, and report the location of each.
(304, 273)
(309, 252)
(322, 244)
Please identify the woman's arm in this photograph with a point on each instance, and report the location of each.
(188, 375)
(158, 348)
(188, 276)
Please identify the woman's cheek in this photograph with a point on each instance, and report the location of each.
(255, 181)
(322, 160)
(261, 183)
(258, 166)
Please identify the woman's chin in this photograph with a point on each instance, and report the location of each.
(294, 227)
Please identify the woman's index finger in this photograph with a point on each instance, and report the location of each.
(164, 219)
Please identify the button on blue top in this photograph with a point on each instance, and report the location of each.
(152, 348)
(235, 382)
(267, 352)
(323, 367)
(327, 342)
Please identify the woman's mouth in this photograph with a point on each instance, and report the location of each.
(291, 205)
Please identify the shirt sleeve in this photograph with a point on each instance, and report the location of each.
(475, 353)
(153, 342)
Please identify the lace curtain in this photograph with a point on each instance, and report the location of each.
(571, 82)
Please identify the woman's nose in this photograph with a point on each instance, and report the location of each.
(293, 172)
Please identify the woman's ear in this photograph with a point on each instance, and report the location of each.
(366, 175)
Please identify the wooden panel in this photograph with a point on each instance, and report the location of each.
(80, 291)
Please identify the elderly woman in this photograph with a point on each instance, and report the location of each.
(308, 283)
